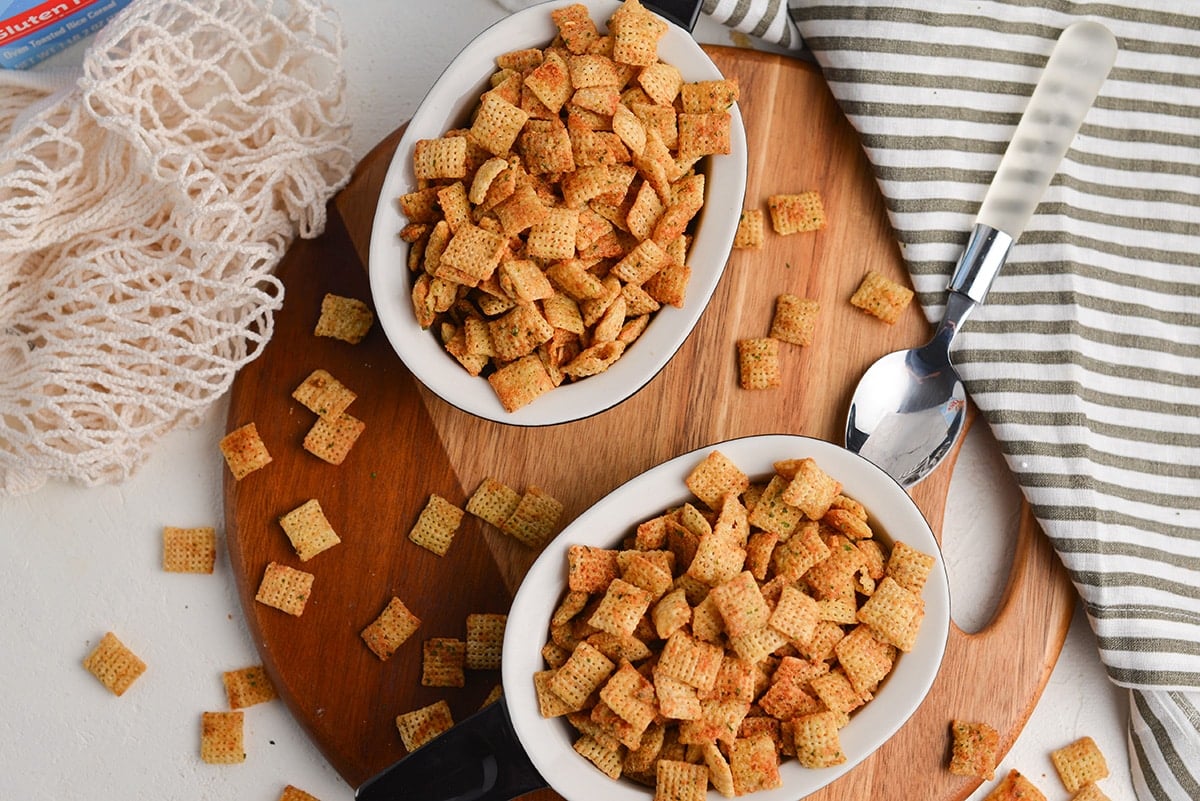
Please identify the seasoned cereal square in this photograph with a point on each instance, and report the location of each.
(519, 383)
(331, 439)
(676, 780)
(535, 518)
(244, 451)
(323, 394)
(285, 588)
(308, 530)
(714, 477)
(621, 608)
(293, 793)
(581, 675)
(796, 213)
(485, 638)
(445, 157)
(908, 566)
(811, 489)
(247, 686)
(750, 229)
(390, 629)
(497, 124)
(881, 297)
(549, 704)
(795, 319)
(221, 738)
(754, 764)
(1015, 787)
(114, 664)
(1090, 792)
(891, 612)
(974, 749)
(189, 550)
(758, 363)
(1079, 764)
(493, 501)
(817, 740)
(421, 725)
(443, 662)
(436, 525)
(347, 319)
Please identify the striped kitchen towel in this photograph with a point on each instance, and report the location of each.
(1085, 359)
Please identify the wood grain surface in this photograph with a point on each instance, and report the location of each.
(415, 444)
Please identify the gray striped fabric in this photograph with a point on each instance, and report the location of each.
(1085, 360)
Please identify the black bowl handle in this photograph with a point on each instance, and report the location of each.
(683, 13)
(478, 759)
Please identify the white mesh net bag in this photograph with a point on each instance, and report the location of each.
(143, 208)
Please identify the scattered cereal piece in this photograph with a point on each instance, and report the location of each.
(221, 738)
(795, 213)
(247, 686)
(291, 793)
(443, 661)
(1015, 787)
(189, 550)
(244, 451)
(347, 319)
(436, 525)
(881, 297)
(114, 664)
(795, 319)
(1079, 764)
(387, 632)
(758, 363)
(308, 530)
(1090, 792)
(422, 725)
(323, 394)
(485, 637)
(974, 749)
(332, 439)
(493, 501)
(285, 588)
(534, 519)
(749, 232)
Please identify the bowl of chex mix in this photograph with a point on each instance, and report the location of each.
(752, 618)
(558, 212)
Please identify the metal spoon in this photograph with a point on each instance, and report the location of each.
(908, 409)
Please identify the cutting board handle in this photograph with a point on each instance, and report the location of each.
(479, 759)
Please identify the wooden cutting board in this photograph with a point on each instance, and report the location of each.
(415, 445)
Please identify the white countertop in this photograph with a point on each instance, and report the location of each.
(82, 561)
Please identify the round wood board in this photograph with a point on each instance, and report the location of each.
(414, 445)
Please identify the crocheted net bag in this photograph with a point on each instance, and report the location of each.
(143, 209)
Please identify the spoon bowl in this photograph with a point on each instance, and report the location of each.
(915, 416)
(909, 407)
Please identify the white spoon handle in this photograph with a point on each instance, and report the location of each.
(1077, 67)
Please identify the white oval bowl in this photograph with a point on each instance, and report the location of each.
(446, 106)
(893, 514)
